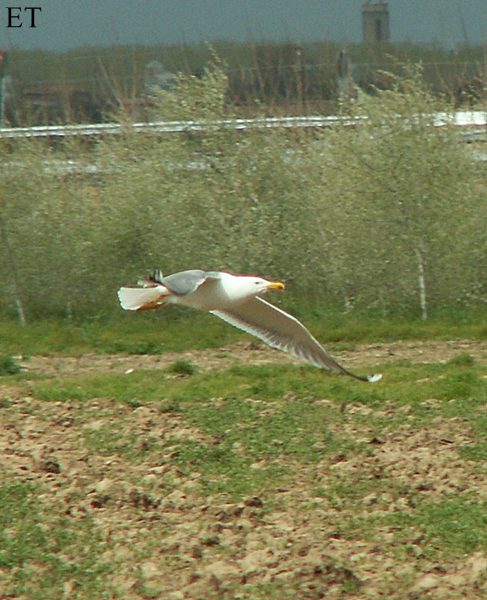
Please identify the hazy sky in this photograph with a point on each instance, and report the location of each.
(66, 24)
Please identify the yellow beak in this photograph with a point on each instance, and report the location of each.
(276, 285)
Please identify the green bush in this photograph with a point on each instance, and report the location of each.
(403, 216)
(387, 214)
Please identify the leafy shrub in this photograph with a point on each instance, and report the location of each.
(359, 217)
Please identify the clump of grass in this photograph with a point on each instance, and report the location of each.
(462, 360)
(182, 367)
(5, 402)
(456, 525)
(138, 348)
(9, 366)
(170, 407)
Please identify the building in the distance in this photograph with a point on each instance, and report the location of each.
(375, 22)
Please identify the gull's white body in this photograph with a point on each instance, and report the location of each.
(235, 299)
(218, 294)
(217, 291)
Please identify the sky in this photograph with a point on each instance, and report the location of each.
(64, 24)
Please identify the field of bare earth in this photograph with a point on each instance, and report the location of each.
(236, 473)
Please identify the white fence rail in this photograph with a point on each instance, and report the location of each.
(472, 125)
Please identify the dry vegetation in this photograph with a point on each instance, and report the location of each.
(90, 84)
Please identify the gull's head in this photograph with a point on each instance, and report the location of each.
(264, 285)
(243, 287)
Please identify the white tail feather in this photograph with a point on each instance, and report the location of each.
(132, 298)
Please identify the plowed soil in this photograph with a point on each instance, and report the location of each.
(168, 538)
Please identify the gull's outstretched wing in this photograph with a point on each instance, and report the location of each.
(186, 282)
(281, 330)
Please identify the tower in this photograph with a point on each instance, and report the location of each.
(375, 22)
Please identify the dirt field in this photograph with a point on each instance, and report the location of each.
(254, 353)
(168, 541)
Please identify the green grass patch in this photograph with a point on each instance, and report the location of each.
(175, 329)
(478, 421)
(225, 472)
(182, 367)
(135, 388)
(267, 383)
(36, 541)
(258, 449)
(148, 333)
(462, 360)
(455, 389)
(453, 526)
(112, 439)
(9, 366)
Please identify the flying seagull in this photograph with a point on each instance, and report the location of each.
(235, 299)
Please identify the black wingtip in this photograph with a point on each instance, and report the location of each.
(155, 276)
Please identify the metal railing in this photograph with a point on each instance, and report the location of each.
(473, 125)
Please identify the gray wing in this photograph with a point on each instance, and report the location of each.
(186, 282)
(281, 330)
